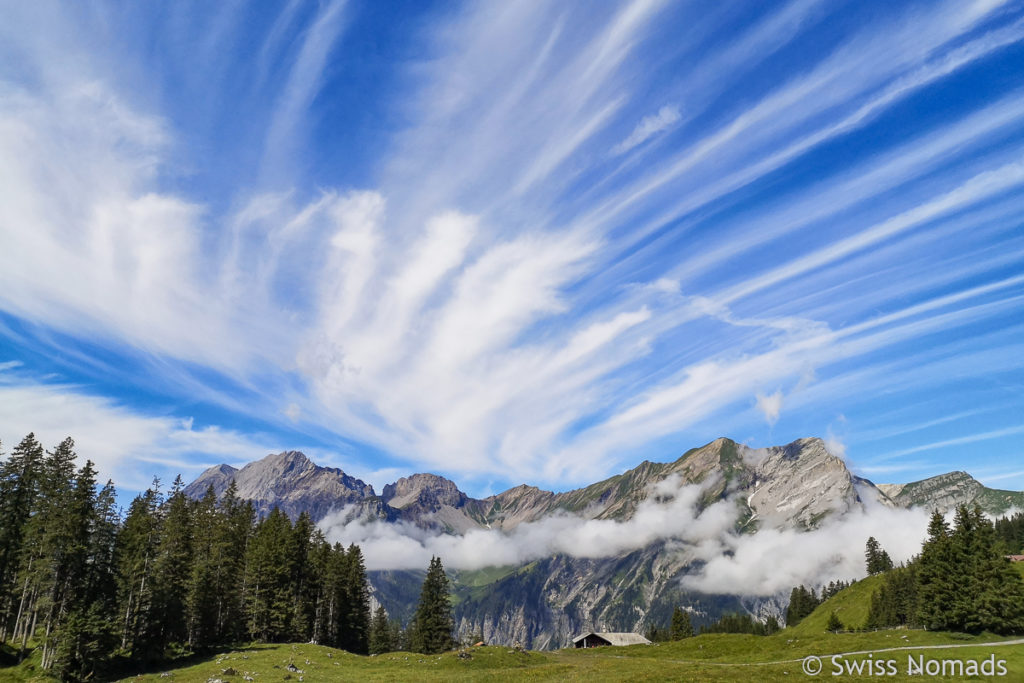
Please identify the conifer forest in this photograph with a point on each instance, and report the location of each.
(95, 589)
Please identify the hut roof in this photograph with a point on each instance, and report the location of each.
(615, 638)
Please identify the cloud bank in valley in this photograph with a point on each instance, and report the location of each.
(765, 563)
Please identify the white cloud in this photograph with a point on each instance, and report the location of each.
(770, 406)
(671, 512)
(772, 561)
(649, 126)
(126, 446)
(765, 563)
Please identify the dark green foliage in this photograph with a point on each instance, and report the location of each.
(172, 560)
(801, 603)
(994, 599)
(136, 549)
(834, 624)
(382, 633)
(1010, 534)
(681, 626)
(88, 635)
(269, 574)
(355, 625)
(433, 621)
(960, 582)
(895, 602)
(832, 588)
(19, 487)
(936, 577)
(85, 586)
(877, 560)
(658, 634)
(742, 623)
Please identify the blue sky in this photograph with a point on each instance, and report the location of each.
(513, 242)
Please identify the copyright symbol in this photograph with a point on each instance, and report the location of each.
(811, 665)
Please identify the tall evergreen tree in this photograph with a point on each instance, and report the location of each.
(19, 486)
(381, 634)
(356, 631)
(996, 590)
(233, 535)
(269, 573)
(681, 625)
(88, 637)
(47, 547)
(801, 603)
(201, 598)
(876, 558)
(136, 549)
(304, 580)
(433, 619)
(937, 576)
(172, 563)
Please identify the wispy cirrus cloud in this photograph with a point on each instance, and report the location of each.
(467, 280)
(649, 126)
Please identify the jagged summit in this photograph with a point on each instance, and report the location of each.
(426, 491)
(289, 480)
(796, 484)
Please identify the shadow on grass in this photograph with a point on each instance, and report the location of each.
(129, 668)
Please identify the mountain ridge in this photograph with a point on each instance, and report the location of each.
(794, 486)
(293, 482)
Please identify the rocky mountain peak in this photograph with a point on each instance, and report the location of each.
(424, 492)
(288, 480)
(801, 483)
(218, 476)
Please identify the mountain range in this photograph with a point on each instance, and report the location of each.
(543, 603)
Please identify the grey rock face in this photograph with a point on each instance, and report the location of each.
(799, 484)
(290, 481)
(948, 491)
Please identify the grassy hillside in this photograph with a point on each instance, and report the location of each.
(850, 605)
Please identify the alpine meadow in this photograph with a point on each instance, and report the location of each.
(545, 340)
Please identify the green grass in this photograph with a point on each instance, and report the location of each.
(712, 657)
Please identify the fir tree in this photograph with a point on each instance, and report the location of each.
(937, 576)
(47, 550)
(232, 536)
(381, 633)
(681, 626)
(304, 580)
(87, 636)
(357, 618)
(433, 619)
(801, 603)
(19, 486)
(742, 623)
(834, 624)
(995, 589)
(172, 563)
(877, 559)
(136, 548)
(269, 573)
(201, 598)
